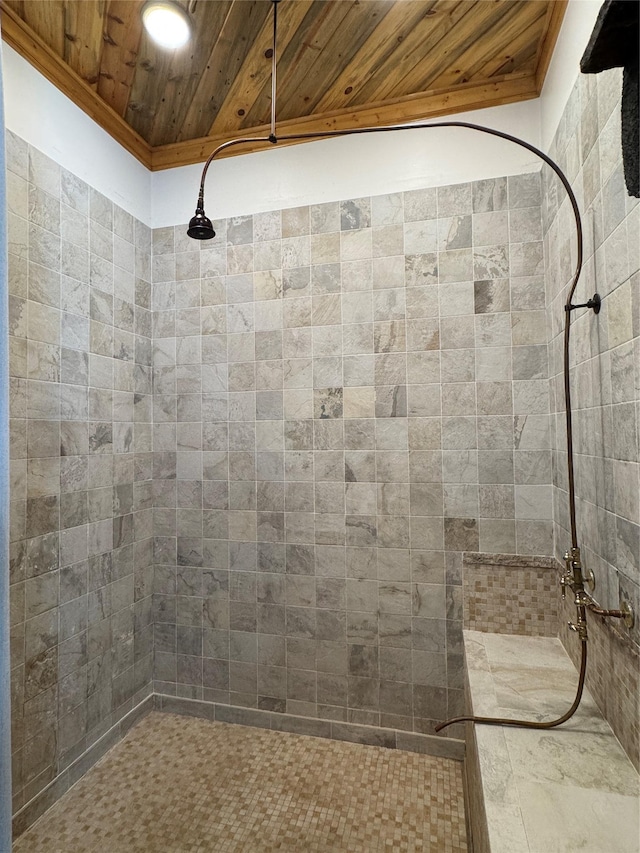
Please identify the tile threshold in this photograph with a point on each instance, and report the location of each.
(434, 745)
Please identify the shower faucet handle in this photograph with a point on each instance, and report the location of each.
(564, 582)
(580, 628)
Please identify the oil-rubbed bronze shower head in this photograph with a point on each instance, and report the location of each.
(200, 226)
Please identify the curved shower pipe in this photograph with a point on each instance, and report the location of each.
(201, 228)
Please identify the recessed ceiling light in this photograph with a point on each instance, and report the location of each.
(167, 23)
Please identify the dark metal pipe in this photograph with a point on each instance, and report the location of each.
(330, 134)
(272, 135)
(530, 724)
(573, 577)
(577, 568)
(614, 614)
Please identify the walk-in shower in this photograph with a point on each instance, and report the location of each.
(575, 578)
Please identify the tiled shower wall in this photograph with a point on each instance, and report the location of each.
(605, 348)
(605, 354)
(346, 397)
(81, 511)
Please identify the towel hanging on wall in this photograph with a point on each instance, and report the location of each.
(614, 44)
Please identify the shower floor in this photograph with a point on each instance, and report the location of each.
(184, 784)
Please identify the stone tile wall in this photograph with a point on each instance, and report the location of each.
(605, 349)
(81, 510)
(346, 397)
(613, 675)
(605, 358)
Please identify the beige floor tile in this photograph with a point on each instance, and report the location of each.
(178, 784)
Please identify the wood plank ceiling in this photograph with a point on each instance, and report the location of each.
(341, 63)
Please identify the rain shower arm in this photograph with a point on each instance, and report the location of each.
(354, 131)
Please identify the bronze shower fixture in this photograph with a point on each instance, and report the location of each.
(201, 228)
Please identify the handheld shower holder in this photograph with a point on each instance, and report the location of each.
(628, 614)
(595, 303)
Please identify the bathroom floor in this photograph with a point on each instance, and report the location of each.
(184, 784)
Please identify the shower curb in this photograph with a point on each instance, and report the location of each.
(435, 745)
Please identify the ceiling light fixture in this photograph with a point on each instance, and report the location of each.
(167, 23)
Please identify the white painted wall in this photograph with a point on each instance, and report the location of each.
(564, 67)
(350, 167)
(39, 113)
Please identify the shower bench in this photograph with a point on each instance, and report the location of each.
(532, 791)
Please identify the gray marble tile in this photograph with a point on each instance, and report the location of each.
(355, 214)
(406, 379)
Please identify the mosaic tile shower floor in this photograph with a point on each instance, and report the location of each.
(178, 784)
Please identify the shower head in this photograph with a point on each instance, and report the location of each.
(200, 226)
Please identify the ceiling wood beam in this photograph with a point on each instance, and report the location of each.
(471, 29)
(149, 81)
(353, 32)
(29, 45)
(504, 61)
(421, 43)
(47, 20)
(404, 110)
(548, 39)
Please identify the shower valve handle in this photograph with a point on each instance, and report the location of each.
(563, 586)
(580, 628)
